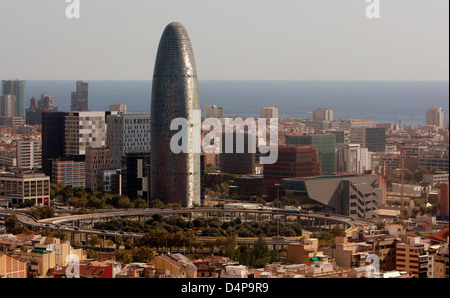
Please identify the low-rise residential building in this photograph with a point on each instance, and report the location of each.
(235, 271)
(349, 254)
(90, 269)
(413, 257)
(441, 263)
(175, 265)
(41, 254)
(12, 267)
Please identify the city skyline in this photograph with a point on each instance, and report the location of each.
(320, 40)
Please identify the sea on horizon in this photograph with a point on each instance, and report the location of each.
(404, 102)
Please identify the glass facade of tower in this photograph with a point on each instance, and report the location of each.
(175, 177)
(326, 149)
(17, 88)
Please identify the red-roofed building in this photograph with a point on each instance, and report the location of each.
(90, 269)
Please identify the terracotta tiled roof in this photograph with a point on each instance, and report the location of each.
(440, 236)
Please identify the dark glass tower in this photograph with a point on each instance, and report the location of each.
(17, 88)
(175, 178)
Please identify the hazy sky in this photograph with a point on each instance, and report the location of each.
(232, 40)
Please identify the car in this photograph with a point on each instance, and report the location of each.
(327, 215)
(103, 231)
(122, 232)
(76, 229)
(352, 219)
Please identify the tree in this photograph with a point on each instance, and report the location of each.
(92, 254)
(140, 203)
(94, 240)
(43, 212)
(260, 253)
(20, 229)
(143, 254)
(11, 221)
(123, 256)
(261, 201)
(156, 203)
(244, 255)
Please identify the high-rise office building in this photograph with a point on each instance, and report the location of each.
(436, 116)
(269, 112)
(374, 139)
(17, 88)
(323, 115)
(83, 130)
(237, 162)
(351, 158)
(29, 154)
(326, 148)
(128, 134)
(134, 176)
(69, 172)
(96, 159)
(342, 136)
(34, 112)
(80, 98)
(175, 177)
(53, 141)
(213, 111)
(293, 161)
(7, 105)
(119, 108)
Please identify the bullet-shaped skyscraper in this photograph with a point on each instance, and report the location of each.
(175, 177)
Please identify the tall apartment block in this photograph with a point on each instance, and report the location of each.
(213, 111)
(7, 105)
(269, 112)
(29, 154)
(326, 148)
(351, 158)
(436, 116)
(34, 112)
(17, 88)
(293, 161)
(323, 115)
(127, 134)
(80, 98)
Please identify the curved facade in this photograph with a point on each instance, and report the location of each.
(175, 178)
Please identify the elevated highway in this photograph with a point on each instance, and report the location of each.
(74, 223)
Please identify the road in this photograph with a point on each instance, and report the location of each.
(60, 223)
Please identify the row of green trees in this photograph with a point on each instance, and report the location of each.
(209, 227)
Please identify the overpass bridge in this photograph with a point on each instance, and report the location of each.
(75, 224)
